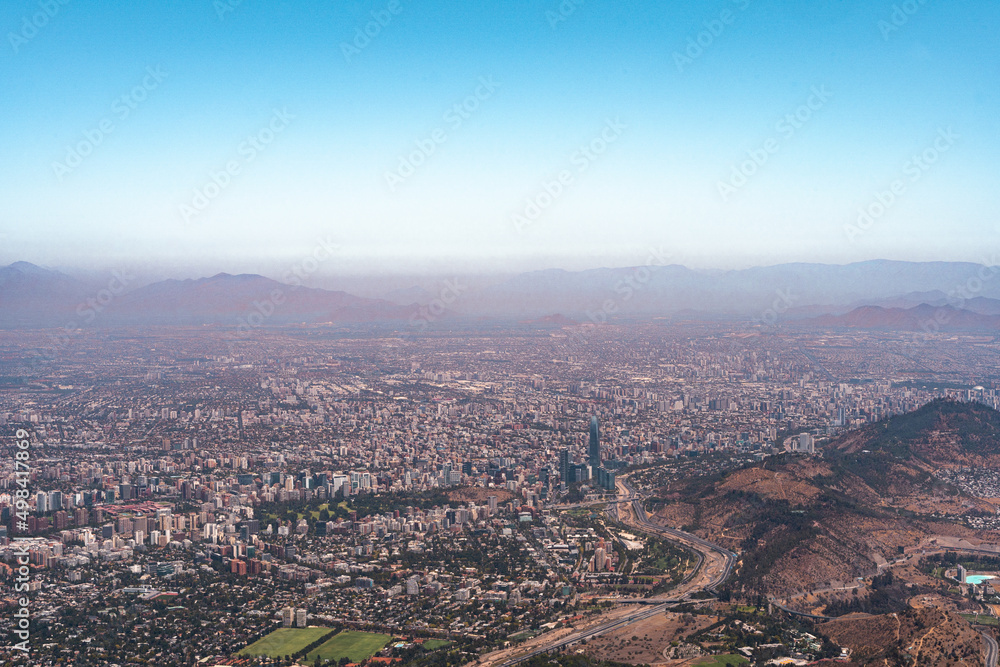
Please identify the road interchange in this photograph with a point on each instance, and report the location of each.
(714, 565)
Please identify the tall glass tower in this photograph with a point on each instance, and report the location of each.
(595, 444)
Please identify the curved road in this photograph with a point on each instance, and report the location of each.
(714, 566)
(992, 650)
(708, 551)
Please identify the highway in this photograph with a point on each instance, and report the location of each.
(705, 549)
(714, 566)
(991, 649)
(577, 637)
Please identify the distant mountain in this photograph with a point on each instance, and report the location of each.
(936, 298)
(865, 294)
(655, 290)
(924, 317)
(409, 295)
(556, 320)
(227, 299)
(32, 296)
(982, 305)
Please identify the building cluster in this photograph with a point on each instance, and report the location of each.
(408, 484)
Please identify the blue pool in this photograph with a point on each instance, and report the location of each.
(977, 578)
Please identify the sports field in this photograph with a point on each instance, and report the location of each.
(350, 644)
(284, 641)
(722, 661)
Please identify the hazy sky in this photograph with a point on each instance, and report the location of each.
(732, 132)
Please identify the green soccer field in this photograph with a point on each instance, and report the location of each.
(355, 646)
(722, 661)
(284, 641)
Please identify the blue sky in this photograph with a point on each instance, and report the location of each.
(332, 135)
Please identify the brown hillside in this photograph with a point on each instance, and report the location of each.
(924, 637)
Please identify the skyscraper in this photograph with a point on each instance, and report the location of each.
(595, 444)
(564, 467)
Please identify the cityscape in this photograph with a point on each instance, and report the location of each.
(554, 333)
(459, 489)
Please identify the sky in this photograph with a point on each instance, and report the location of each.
(409, 135)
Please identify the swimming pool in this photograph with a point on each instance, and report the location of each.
(977, 578)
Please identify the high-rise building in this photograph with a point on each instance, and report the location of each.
(595, 444)
(300, 618)
(287, 616)
(564, 466)
(600, 556)
(55, 501)
(805, 443)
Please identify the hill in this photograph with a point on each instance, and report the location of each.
(802, 523)
(923, 317)
(942, 432)
(926, 637)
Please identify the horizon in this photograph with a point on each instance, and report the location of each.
(306, 278)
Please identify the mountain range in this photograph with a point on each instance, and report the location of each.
(32, 296)
(879, 294)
